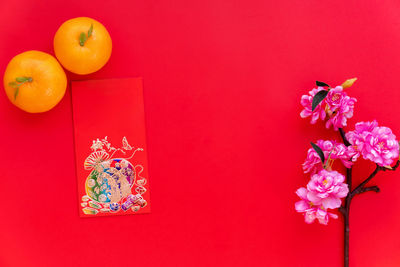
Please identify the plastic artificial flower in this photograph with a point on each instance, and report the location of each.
(326, 188)
(335, 97)
(332, 150)
(356, 138)
(340, 107)
(337, 106)
(374, 143)
(310, 210)
(306, 102)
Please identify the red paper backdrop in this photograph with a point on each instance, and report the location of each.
(222, 83)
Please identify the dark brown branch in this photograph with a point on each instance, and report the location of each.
(370, 188)
(393, 168)
(358, 189)
(342, 209)
(345, 208)
(361, 187)
(343, 135)
(346, 213)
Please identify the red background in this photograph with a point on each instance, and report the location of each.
(222, 85)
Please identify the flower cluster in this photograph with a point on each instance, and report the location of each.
(337, 106)
(332, 150)
(324, 191)
(327, 187)
(374, 143)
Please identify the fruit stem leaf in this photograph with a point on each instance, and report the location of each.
(82, 38)
(90, 31)
(16, 93)
(18, 82)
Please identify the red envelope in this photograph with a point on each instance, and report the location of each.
(110, 147)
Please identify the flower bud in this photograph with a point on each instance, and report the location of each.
(348, 83)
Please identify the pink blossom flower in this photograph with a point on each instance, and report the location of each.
(361, 129)
(311, 211)
(337, 105)
(340, 108)
(326, 188)
(368, 126)
(375, 143)
(335, 97)
(332, 150)
(357, 137)
(306, 102)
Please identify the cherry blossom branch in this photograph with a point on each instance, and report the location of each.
(346, 216)
(333, 104)
(345, 209)
(370, 188)
(392, 168)
(343, 135)
(361, 187)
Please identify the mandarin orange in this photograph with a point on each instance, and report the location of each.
(82, 45)
(34, 81)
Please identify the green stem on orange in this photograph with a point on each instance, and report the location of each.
(18, 82)
(83, 37)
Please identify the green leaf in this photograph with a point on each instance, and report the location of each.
(16, 93)
(82, 38)
(13, 84)
(21, 79)
(318, 83)
(318, 98)
(319, 152)
(90, 31)
(329, 156)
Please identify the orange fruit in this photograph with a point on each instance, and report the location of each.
(82, 45)
(34, 81)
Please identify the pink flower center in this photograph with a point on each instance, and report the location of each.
(325, 182)
(381, 145)
(335, 97)
(328, 110)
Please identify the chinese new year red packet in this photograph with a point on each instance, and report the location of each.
(110, 147)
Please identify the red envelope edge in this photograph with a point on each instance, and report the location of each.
(110, 147)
